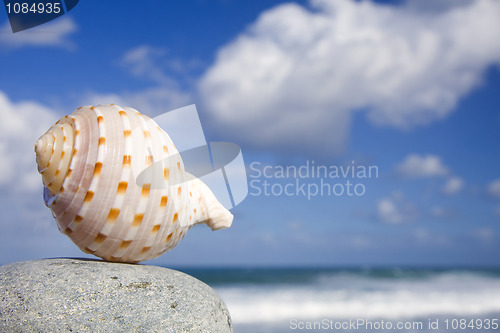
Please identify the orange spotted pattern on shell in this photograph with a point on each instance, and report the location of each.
(90, 162)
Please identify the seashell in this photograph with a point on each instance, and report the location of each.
(89, 162)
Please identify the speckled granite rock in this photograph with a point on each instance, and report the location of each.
(79, 295)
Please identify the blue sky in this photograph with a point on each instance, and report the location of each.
(411, 87)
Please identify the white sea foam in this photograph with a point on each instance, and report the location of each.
(355, 296)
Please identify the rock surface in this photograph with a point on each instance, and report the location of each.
(81, 295)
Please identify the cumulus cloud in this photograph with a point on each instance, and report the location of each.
(22, 123)
(54, 33)
(294, 77)
(416, 166)
(396, 210)
(453, 185)
(494, 188)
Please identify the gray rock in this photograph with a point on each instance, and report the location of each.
(80, 295)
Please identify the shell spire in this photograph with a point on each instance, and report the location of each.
(89, 162)
(54, 151)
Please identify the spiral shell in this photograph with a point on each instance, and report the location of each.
(89, 162)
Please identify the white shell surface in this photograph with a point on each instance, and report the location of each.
(89, 162)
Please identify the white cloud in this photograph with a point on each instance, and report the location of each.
(151, 101)
(158, 65)
(486, 235)
(453, 185)
(434, 6)
(427, 238)
(152, 64)
(387, 211)
(494, 188)
(294, 77)
(54, 33)
(416, 166)
(395, 210)
(145, 61)
(441, 212)
(22, 123)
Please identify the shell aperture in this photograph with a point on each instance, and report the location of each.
(89, 162)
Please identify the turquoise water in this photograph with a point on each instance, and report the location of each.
(358, 300)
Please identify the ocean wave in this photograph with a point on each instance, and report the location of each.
(349, 295)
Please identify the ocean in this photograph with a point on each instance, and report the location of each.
(358, 300)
